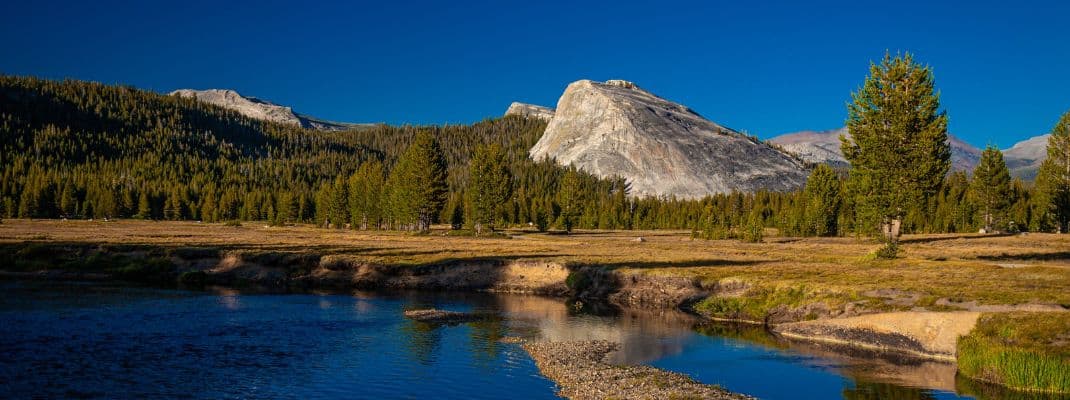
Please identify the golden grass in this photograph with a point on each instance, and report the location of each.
(1033, 268)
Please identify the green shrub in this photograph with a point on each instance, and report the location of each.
(151, 270)
(232, 222)
(888, 251)
(578, 281)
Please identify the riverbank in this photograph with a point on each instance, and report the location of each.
(779, 283)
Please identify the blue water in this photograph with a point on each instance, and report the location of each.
(108, 341)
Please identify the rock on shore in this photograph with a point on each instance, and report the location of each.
(581, 371)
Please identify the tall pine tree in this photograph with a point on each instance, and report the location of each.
(489, 186)
(823, 201)
(366, 195)
(990, 188)
(1052, 197)
(898, 146)
(418, 183)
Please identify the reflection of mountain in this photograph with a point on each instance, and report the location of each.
(644, 335)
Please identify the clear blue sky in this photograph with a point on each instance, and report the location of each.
(762, 66)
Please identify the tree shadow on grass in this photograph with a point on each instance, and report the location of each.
(706, 262)
(1058, 255)
(954, 237)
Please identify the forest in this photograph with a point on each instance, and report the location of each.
(74, 149)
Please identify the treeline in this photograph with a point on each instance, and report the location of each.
(74, 149)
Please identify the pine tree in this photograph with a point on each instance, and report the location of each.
(990, 188)
(823, 201)
(144, 207)
(366, 195)
(418, 183)
(569, 199)
(1052, 198)
(338, 204)
(489, 186)
(898, 146)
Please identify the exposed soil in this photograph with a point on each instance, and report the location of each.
(923, 334)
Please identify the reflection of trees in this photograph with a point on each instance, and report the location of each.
(882, 391)
(746, 332)
(421, 341)
(484, 336)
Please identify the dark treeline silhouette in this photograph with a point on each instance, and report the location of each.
(73, 149)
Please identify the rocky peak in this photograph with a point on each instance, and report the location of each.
(1025, 157)
(253, 107)
(530, 111)
(662, 148)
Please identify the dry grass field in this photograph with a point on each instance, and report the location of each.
(956, 271)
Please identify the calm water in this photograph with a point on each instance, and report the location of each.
(93, 341)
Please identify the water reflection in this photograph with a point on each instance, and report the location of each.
(102, 342)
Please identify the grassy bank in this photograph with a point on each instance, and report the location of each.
(939, 272)
(1025, 351)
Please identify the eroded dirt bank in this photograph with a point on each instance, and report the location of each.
(920, 334)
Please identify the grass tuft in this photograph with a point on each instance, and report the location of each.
(1022, 351)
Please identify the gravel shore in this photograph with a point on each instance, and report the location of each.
(581, 371)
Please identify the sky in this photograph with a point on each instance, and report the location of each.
(764, 67)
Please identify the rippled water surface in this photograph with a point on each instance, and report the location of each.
(107, 341)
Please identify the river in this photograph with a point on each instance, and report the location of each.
(93, 340)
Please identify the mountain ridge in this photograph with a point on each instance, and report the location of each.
(824, 147)
(257, 108)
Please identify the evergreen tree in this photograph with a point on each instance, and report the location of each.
(418, 183)
(569, 199)
(823, 201)
(898, 146)
(990, 188)
(366, 195)
(489, 186)
(338, 203)
(144, 207)
(1053, 180)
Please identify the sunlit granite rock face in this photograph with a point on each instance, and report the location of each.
(530, 111)
(260, 109)
(662, 148)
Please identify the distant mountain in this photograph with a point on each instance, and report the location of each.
(253, 107)
(1024, 157)
(660, 147)
(814, 146)
(530, 110)
(824, 147)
